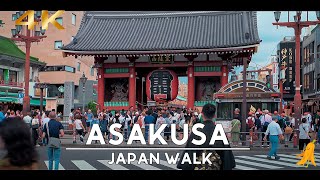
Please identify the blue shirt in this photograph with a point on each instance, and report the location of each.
(2, 117)
(103, 125)
(273, 129)
(90, 117)
(54, 128)
(149, 119)
(94, 121)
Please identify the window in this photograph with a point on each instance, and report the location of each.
(57, 44)
(305, 55)
(311, 51)
(12, 76)
(78, 66)
(58, 68)
(318, 51)
(59, 20)
(74, 18)
(92, 71)
(318, 84)
(69, 69)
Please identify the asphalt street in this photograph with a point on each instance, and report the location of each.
(98, 160)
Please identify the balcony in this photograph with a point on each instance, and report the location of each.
(11, 84)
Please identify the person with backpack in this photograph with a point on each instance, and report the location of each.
(235, 131)
(266, 119)
(287, 131)
(257, 123)
(220, 159)
(250, 121)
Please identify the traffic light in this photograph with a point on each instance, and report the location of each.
(268, 81)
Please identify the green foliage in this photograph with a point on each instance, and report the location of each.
(92, 106)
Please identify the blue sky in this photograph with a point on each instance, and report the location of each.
(271, 36)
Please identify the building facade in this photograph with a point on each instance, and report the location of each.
(135, 44)
(12, 68)
(59, 72)
(311, 70)
(273, 65)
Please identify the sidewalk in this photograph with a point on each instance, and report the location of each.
(67, 141)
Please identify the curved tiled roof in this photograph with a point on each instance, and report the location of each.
(160, 31)
(10, 49)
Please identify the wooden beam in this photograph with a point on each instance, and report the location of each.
(207, 74)
(116, 75)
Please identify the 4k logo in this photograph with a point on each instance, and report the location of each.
(44, 18)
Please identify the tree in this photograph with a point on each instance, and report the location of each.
(92, 106)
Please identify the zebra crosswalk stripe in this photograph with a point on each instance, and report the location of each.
(269, 161)
(257, 164)
(172, 166)
(144, 166)
(83, 165)
(295, 157)
(317, 153)
(239, 167)
(282, 158)
(112, 166)
(60, 166)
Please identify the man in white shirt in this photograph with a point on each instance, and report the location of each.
(274, 131)
(27, 119)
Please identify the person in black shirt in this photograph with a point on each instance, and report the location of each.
(226, 156)
(55, 130)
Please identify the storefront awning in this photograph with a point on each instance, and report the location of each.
(36, 102)
(9, 99)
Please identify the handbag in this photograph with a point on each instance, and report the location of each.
(53, 142)
(288, 130)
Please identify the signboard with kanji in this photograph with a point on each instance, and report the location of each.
(286, 54)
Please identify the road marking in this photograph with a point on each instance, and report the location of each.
(295, 157)
(269, 161)
(239, 167)
(317, 153)
(60, 166)
(144, 166)
(257, 164)
(172, 166)
(112, 166)
(281, 158)
(157, 149)
(316, 156)
(83, 165)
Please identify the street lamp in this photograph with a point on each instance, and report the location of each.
(83, 80)
(19, 34)
(1, 23)
(297, 25)
(41, 86)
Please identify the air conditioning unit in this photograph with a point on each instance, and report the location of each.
(277, 100)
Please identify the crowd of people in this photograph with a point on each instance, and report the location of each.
(35, 129)
(81, 124)
(275, 127)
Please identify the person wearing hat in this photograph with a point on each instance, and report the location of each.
(274, 132)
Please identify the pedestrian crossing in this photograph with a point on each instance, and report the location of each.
(250, 162)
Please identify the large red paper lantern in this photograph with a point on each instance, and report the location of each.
(162, 85)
